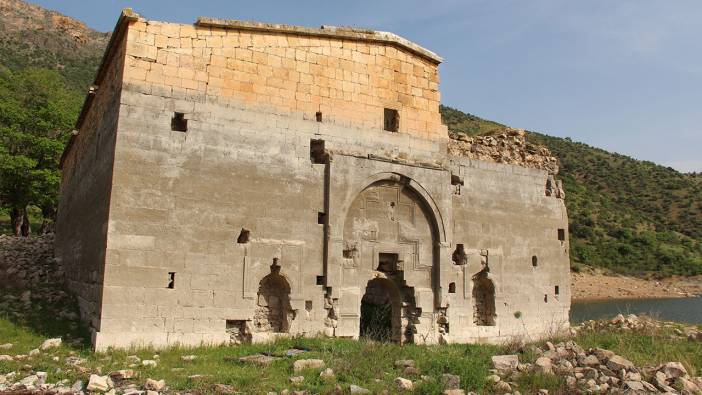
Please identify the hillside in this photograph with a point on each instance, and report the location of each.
(627, 215)
(31, 36)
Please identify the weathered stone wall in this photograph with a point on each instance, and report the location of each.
(253, 190)
(350, 81)
(86, 185)
(506, 222)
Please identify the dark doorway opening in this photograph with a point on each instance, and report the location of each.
(380, 314)
(483, 299)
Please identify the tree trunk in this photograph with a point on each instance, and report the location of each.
(47, 224)
(17, 219)
(26, 228)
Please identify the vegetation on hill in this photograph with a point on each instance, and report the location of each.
(31, 36)
(626, 215)
(47, 61)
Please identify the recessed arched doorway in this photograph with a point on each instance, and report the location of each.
(273, 311)
(381, 312)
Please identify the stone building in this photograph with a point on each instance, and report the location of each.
(233, 181)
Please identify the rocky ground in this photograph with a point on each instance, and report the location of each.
(42, 350)
(596, 285)
(598, 370)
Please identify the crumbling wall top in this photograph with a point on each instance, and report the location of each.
(509, 147)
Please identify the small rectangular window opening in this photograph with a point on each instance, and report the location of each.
(556, 290)
(318, 154)
(171, 280)
(452, 288)
(179, 123)
(561, 234)
(391, 120)
(320, 280)
(318, 116)
(321, 218)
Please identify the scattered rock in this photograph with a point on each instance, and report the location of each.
(618, 363)
(505, 363)
(327, 374)
(544, 365)
(258, 359)
(155, 385)
(150, 363)
(503, 387)
(297, 379)
(354, 389)
(123, 374)
(404, 363)
(5, 346)
(403, 384)
(493, 378)
(188, 358)
(673, 370)
(454, 392)
(99, 383)
(302, 364)
(410, 371)
(51, 343)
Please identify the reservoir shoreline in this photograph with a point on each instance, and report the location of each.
(597, 286)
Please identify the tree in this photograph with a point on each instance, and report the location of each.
(37, 113)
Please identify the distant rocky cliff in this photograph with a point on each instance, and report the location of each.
(31, 36)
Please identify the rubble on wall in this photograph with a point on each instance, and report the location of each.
(509, 147)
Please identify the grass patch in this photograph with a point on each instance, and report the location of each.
(27, 323)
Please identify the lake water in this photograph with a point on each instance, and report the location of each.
(679, 309)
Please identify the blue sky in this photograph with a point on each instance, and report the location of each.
(622, 75)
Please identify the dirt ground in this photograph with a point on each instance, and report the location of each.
(594, 285)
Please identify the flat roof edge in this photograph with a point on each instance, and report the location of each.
(347, 33)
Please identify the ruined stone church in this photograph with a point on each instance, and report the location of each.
(234, 181)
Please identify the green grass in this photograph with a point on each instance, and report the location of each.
(367, 364)
(370, 365)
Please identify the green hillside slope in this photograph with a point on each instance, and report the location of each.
(626, 215)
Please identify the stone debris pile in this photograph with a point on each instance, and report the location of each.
(509, 147)
(593, 371)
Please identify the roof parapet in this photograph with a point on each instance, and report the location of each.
(348, 33)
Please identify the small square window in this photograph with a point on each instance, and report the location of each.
(391, 120)
(561, 234)
(179, 123)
